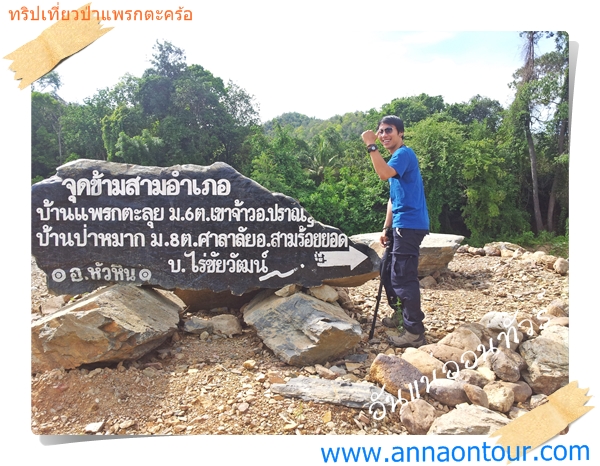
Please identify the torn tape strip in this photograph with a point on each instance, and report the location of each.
(546, 421)
(59, 41)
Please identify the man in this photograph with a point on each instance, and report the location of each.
(407, 216)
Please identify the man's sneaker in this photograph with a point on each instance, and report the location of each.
(407, 339)
(391, 322)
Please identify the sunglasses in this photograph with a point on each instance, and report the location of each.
(388, 130)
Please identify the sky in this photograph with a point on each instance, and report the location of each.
(319, 58)
(318, 73)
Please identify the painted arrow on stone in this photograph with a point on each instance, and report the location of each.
(352, 257)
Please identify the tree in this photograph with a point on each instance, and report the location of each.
(123, 121)
(323, 154)
(556, 67)
(243, 119)
(477, 109)
(415, 108)
(438, 144)
(524, 101)
(49, 80)
(167, 60)
(540, 115)
(46, 134)
(141, 150)
(276, 165)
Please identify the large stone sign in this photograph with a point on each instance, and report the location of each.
(188, 227)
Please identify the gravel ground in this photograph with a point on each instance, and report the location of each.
(222, 386)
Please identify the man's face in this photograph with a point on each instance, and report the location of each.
(389, 136)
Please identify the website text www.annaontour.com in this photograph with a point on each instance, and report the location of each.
(455, 454)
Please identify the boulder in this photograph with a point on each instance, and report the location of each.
(423, 361)
(450, 355)
(500, 397)
(436, 251)
(339, 392)
(520, 389)
(486, 373)
(561, 266)
(547, 359)
(226, 324)
(476, 251)
(472, 377)
(507, 364)
(462, 338)
(396, 375)
(116, 323)
(184, 227)
(491, 250)
(468, 419)
(503, 328)
(301, 329)
(324, 293)
(558, 308)
(428, 282)
(197, 325)
(448, 392)
(476, 395)
(417, 416)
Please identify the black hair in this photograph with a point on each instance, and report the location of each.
(394, 121)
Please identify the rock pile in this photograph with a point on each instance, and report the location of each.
(482, 374)
(481, 370)
(510, 250)
(124, 322)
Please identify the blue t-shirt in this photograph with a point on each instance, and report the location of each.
(409, 207)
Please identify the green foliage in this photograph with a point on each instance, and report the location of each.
(538, 120)
(414, 109)
(124, 120)
(140, 150)
(47, 146)
(478, 109)
(355, 202)
(50, 80)
(474, 155)
(439, 148)
(491, 207)
(465, 177)
(167, 60)
(349, 126)
(323, 155)
(276, 165)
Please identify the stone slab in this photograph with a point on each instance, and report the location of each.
(184, 227)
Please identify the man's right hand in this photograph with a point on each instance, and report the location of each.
(369, 137)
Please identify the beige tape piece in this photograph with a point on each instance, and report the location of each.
(546, 421)
(59, 41)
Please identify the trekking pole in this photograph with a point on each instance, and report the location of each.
(382, 269)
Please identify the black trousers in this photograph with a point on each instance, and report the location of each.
(399, 274)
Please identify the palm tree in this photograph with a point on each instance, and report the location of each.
(323, 154)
